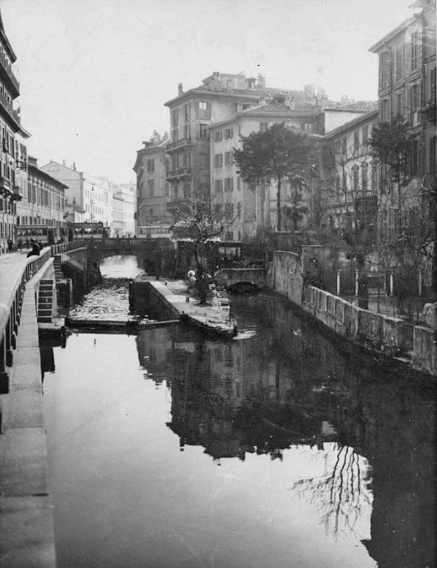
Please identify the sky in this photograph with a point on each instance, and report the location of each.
(95, 74)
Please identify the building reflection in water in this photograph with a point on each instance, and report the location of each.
(288, 385)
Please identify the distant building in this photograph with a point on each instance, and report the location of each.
(153, 189)
(13, 155)
(43, 201)
(87, 198)
(124, 204)
(117, 214)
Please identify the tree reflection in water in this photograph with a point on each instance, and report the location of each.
(341, 493)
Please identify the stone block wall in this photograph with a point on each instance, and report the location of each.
(285, 275)
(425, 349)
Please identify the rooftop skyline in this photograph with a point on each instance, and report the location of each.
(95, 74)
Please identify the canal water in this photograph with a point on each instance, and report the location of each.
(277, 449)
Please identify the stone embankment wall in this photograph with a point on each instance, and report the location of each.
(389, 335)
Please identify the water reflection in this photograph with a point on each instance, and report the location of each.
(288, 386)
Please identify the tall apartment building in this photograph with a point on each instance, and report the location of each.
(153, 189)
(13, 156)
(43, 201)
(220, 96)
(248, 209)
(407, 89)
(87, 199)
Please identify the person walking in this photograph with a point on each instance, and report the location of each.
(35, 250)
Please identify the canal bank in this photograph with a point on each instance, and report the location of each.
(26, 513)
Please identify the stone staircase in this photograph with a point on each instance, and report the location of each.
(57, 263)
(45, 301)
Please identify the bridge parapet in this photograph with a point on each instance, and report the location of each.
(229, 277)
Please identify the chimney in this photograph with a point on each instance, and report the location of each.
(180, 89)
(74, 166)
(261, 81)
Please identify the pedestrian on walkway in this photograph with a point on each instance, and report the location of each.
(10, 244)
(35, 250)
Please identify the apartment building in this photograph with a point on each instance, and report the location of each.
(43, 202)
(407, 91)
(192, 112)
(349, 196)
(153, 218)
(248, 209)
(87, 198)
(13, 155)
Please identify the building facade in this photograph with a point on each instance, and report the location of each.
(87, 198)
(407, 94)
(13, 154)
(349, 195)
(153, 218)
(250, 209)
(43, 202)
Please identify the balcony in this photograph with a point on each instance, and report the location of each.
(5, 187)
(16, 195)
(179, 173)
(6, 71)
(182, 143)
(9, 109)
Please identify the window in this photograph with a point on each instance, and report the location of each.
(204, 109)
(186, 190)
(229, 211)
(151, 187)
(228, 158)
(399, 103)
(308, 127)
(174, 117)
(433, 85)
(174, 135)
(203, 132)
(229, 184)
(399, 60)
(344, 146)
(263, 126)
(151, 165)
(414, 98)
(365, 136)
(187, 131)
(239, 209)
(218, 136)
(187, 160)
(415, 51)
(356, 140)
(364, 176)
(218, 185)
(383, 109)
(151, 212)
(218, 160)
(229, 133)
(187, 112)
(355, 178)
(384, 70)
(238, 182)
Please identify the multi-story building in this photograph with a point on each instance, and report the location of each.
(123, 201)
(247, 209)
(407, 92)
(192, 112)
(117, 215)
(153, 189)
(43, 202)
(13, 155)
(350, 176)
(87, 198)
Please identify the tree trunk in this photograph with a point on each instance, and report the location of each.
(278, 204)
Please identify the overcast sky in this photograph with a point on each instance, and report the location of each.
(95, 74)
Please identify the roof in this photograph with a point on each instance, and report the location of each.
(6, 41)
(391, 35)
(33, 168)
(367, 117)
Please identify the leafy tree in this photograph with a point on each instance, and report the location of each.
(280, 154)
(390, 145)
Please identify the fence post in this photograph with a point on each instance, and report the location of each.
(338, 282)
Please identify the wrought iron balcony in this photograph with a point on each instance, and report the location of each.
(178, 173)
(5, 187)
(13, 114)
(6, 70)
(183, 142)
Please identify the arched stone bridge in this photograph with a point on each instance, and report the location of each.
(232, 277)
